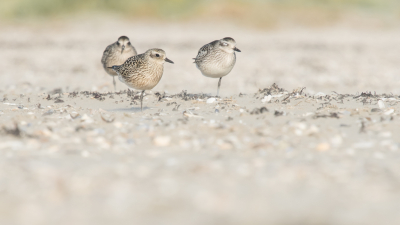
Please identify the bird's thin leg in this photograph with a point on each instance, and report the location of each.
(141, 101)
(115, 88)
(219, 84)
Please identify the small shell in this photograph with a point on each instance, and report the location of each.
(211, 100)
(74, 115)
(266, 99)
(86, 119)
(381, 104)
(107, 118)
(162, 141)
(390, 111)
(190, 114)
(320, 94)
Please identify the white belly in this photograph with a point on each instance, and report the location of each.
(217, 68)
(215, 71)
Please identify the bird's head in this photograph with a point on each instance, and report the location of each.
(228, 44)
(158, 55)
(123, 43)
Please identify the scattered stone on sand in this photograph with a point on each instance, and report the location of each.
(162, 141)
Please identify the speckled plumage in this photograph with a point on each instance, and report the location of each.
(144, 71)
(216, 59)
(116, 54)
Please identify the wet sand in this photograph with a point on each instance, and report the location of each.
(321, 146)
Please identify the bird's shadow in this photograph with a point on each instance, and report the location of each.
(133, 109)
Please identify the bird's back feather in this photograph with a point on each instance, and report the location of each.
(204, 51)
(107, 52)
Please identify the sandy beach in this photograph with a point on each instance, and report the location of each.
(306, 130)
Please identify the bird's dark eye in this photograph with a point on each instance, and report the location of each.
(129, 43)
(157, 55)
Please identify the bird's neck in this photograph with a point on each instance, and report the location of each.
(156, 69)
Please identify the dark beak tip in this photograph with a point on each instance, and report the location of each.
(168, 60)
(238, 50)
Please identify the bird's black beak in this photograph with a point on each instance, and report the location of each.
(236, 49)
(168, 60)
(123, 47)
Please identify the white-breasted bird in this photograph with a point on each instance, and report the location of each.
(216, 59)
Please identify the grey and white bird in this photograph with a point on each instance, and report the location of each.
(116, 54)
(216, 59)
(143, 71)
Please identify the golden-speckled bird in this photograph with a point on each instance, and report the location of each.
(143, 71)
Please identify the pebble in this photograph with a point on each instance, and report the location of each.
(312, 130)
(190, 114)
(385, 134)
(211, 100)
(363, 145)
(376, 110)
(308, 114)
(320, 94)
(87, 119)
(381, 104)
(336, 140)
(162, 141)
(323, 147)
(266, 99)
(347, 113)
(49, 112)
(390, 111)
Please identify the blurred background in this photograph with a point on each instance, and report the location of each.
(324, 45)
(254, 13)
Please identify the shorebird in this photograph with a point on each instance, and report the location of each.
(144, 71)
(216, 59)
(116, 54)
